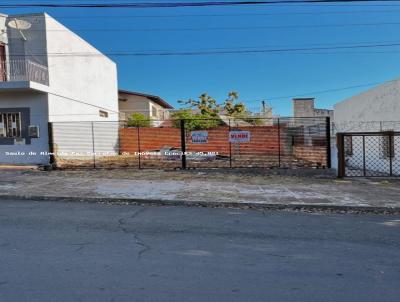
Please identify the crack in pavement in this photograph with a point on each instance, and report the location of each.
(138, 241)
(80, 246)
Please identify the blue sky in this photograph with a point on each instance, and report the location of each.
(254, 76)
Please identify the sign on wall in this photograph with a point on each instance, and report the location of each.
(239, 136)
(199, 137)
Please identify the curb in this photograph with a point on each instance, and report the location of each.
(213, 204)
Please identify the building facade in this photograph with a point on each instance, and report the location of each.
(371, 121)
(48, 74)
(377, 109)
(154, 107)
(305, 107)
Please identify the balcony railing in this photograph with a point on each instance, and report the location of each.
(23, 70)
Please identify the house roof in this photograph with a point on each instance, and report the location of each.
(154, 98)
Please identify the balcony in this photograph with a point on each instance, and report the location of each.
(23, 71)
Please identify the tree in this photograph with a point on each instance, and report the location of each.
(139, 120)
(208, 106)
(208, 111)
(194, 121)
(205, 104)
(230, 107)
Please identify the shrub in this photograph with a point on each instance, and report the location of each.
(139, 120)
(195, 121)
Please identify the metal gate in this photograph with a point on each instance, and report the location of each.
(369, 154)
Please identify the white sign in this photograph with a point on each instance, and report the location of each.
(199, 137)
(239, 136)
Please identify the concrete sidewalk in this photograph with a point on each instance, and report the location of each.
(215, 188)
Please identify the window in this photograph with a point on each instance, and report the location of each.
(348, 145)
(387, 146)
(154, 111)
(103, 113)
(10, 124)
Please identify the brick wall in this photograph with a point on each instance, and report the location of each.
(312, 154)
(264, 140)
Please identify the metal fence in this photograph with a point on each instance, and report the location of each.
(24, 70)
(369, 154)
(194, 143)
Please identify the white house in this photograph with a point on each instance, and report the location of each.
(49, 74)
(152, 106)
(376, 113)
(376, 109)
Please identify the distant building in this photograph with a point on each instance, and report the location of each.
(305, 107)
(150, 105)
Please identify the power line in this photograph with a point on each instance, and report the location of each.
(226, 15)
(184, 4)
(82, 102)
(190, 29)
(319, 91)
(209, 52)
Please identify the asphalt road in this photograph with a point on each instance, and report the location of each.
(53, 251)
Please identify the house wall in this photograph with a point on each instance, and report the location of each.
(303, 108)
(377, 104)
(141, 104)
(37, 103)
(133, 104)
(306, 108)
(34, 47)
(374, 110)
(80, 85)
(3, 19)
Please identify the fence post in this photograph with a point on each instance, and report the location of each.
(341, 159)
(328, 143)
(364, 159)
(183, 144)
(93, 148)
(391, 150)
(138, 147)
(52, 159)
(279, 143)
(230, 145)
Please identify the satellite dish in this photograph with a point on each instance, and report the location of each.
(20, 25)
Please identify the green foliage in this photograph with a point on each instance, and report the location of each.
(231, 107)
(195, 121)
(139, 120)
(205, 104)
(208, 112)
(208, 106)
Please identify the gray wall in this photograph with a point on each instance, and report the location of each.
(37, 103)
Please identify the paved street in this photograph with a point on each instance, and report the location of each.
(53, 251)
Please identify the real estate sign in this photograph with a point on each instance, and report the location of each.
(199, 137)
(239, 136)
